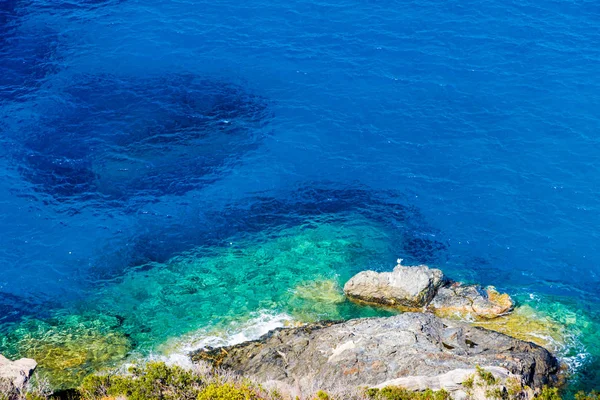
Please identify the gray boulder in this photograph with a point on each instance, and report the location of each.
(16, 373)
(412, 287)
(373, 351)
(418, 288)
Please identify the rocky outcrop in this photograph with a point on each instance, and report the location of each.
(413, 288)
(375, 351)
(16, 373)
(481, 383)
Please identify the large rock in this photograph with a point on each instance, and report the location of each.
(16, 372)
(420, 287)
(412, 287)
(373, 351)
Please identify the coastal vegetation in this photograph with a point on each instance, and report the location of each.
(158, 381)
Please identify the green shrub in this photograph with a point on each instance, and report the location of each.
(399, 393)
(496, 393)
(485, 376)
(469, 382)
(548, 393)
(154, 381)
(514, 387)
(227, 391)
(321, 395)
(157, 381)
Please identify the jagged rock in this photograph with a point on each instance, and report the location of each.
(373, 351)
(16, 372)
(473, 300)
(420, 287)
(412, 287)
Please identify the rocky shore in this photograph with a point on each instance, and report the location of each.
(433, 343)
(410, 349)
(427, 346)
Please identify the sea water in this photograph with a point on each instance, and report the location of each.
(189, 173)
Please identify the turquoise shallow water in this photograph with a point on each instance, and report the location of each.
(189, 167)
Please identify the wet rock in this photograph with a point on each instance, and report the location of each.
(531, 325)
(471, 300)
(411, 288)
(373, 351)
(16, 372)
(405, 286)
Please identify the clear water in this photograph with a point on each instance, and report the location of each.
(188, 169)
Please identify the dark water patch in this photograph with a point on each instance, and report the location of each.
(88, 4)
(28, 52)
(131, 140)
(68, 175)
(162, 237)
(14, 308)
(416, 239)
(8, 16)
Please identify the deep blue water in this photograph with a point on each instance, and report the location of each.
(134, 131)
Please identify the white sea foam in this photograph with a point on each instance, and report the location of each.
(176, 351)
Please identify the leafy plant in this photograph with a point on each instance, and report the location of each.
(486, 376)
(548, 393)
(399, 393)
(154, 381)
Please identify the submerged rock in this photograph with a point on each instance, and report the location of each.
(16, 372)
(312, 300)
(532, 325)
(373, 351)
(67, 349)
(419, 287)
